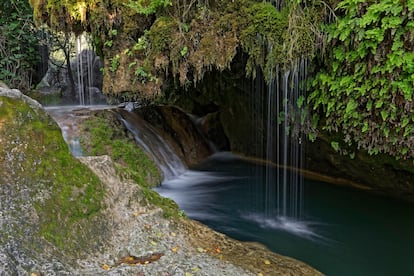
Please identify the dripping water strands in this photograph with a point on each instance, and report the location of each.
(84, 70)
(282, 119)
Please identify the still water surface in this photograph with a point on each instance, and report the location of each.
(341, 232)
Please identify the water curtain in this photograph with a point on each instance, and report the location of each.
(84, 69)
(279, 116)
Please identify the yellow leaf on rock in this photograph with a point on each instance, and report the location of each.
(195, 269)
(267, 262)
(188, 274)
(260, 274)
(106, 267)
(175, 249)
(138, 213)
(201, 250)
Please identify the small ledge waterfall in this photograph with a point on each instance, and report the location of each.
(153, 144)
(88, 75)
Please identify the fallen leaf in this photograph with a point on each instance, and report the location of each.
(201, 250)
(196, 269)
(267, 262)
(188, 274)
(148, 227)
(260, 274)
(173, 234)
(106, 267)
(175, 249)
(153, 243)
(138, 213)
(132, 260)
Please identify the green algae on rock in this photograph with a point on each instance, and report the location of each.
(34, 155)
(104, 134)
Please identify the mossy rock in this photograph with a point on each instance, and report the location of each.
(104, 134)
(66, 195)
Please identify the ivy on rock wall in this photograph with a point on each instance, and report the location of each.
(366, 88)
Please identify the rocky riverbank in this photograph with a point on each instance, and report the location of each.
(184, 247)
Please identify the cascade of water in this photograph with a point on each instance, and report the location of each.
(153, 144)
(79, 70)
(84, 69)
(90, 75)
(283, 142)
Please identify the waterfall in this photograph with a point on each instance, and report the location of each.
(85, 65)
(79, 71)
(282, 117)
(153, 144)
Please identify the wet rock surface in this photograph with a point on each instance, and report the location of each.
(177, 128)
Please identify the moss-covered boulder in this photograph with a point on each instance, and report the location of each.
(50, 202)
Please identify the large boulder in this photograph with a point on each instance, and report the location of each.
(49, 201)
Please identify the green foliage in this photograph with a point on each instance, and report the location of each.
(335, 146)
(109, 43)
(184, 51)
(115, 63)
(111, 35)
(366, 87)
(148, 7)
(142, 44)
(18, 44)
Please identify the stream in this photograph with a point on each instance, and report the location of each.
(342, 231)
